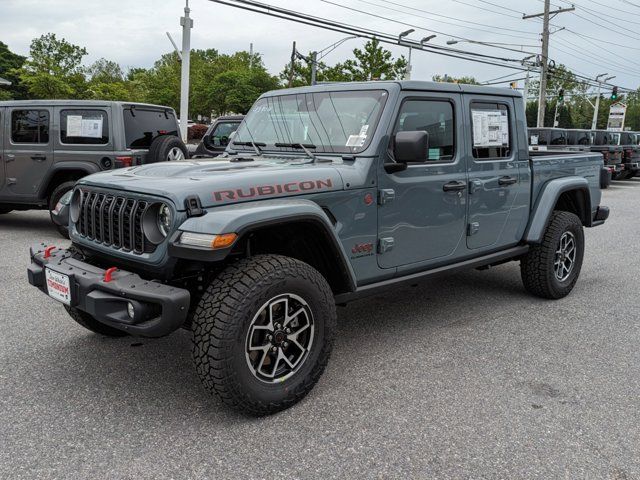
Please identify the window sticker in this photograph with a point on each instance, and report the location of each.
(534, 139)
(356, 140)
(83, 127)
(74, 125)
(490, 128)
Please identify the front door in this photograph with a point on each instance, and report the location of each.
(422, 211)
(498, 184)
(28, 150)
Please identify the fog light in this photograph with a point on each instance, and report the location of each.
(131, 310)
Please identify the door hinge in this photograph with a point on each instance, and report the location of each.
(475, 185)
(385, 244)
(386, 195)
(473, 228)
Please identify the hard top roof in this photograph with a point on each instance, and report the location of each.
(75, 103)
(414, 85)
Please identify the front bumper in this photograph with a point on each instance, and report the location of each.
(159, 309)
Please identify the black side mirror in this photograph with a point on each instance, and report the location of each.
(411, 146)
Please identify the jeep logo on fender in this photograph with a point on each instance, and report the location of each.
(267, 190)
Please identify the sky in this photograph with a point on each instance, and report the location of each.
(597, 38)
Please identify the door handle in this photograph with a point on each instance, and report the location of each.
(454, 186)
(10, 158)
(39, 158)
(504, 181)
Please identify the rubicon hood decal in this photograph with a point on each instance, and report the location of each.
(274, 189)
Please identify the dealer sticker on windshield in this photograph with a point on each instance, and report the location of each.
(58, 286)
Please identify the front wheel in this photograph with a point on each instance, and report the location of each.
(54, 198)
(551, 268)
(263, 332)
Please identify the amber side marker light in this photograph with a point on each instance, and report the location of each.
(204, 240)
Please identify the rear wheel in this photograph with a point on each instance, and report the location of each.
(90, 323)
(54, 198)
(263, 332)
(551, 268)
(167, 148)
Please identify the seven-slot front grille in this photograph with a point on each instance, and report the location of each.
(114, 221)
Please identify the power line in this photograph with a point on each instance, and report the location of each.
(319, 22)
(445, 16)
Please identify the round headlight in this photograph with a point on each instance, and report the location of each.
(164, 219)
(74, 209)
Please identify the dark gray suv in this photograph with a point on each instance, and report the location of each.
(47, 145)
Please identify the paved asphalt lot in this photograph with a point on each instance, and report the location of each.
(464, 377)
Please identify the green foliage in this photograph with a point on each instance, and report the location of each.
(54, 69)
(370, 63)
(448, 79)
(9, 63)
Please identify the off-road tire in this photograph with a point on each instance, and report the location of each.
(224, 315)
(55, 196)
(90, 323)
(162, 146)
(537, 266)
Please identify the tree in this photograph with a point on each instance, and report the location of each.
(370, 63)
(54, 69)
(236, 90)
(9, 63)
(449, 79)
(374, 63)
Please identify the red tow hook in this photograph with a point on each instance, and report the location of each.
(48, 250)
(107, 274)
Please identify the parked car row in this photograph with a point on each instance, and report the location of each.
(620, 150)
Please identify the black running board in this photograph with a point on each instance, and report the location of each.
(386, 285)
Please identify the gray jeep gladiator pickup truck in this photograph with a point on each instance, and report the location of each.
(327, 194)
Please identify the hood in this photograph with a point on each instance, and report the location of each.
(222, 182)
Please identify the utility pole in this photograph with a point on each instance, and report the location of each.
(293, 64)
(546, 15)
(314, 67)
(250, 56)
(187, 25)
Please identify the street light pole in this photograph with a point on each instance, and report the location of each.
(407, 75)
(187, 25)
(594, 122)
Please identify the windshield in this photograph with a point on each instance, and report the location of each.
(330, 122)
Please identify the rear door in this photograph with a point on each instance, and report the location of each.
(498, 185)
(423, 213)
(84, 135)
(28, 150)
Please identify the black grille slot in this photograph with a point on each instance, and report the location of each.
(113, 221)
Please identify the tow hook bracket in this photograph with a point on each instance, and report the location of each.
(48, 250)
(108, 273)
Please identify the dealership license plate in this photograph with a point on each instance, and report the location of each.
(58, 286)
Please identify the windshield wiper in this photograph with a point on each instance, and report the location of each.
(256, 146)
(304, 147)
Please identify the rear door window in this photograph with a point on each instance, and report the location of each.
(30, 126)
(142, 125)
(491, 128)
(84, 127)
